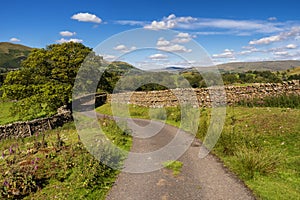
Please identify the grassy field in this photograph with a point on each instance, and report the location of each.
(5, 114)
(56, 165)
(294, 71)
(261, 145)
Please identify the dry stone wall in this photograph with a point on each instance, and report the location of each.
(203, 96)
(25, 129)
(29, 128)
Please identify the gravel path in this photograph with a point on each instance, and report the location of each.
(203, 178)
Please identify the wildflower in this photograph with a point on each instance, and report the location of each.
(5, 183)
(3, 155)
(11, 151)
(35, 167)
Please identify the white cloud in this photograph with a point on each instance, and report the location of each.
(14, 39)
(291, 46)
(169, 22)
(165, 45)
(182, 38)
(158, 56)
(156, 25)
(293, 32)
(86, 17)
(281, 53)
(228, 53)
(191, 23)
(183, 35)
(63, 40)
(175, 48)
(163, 42)
(248, 51)
(67, 33)
(272, 18)
(266, 40)
(124, 48)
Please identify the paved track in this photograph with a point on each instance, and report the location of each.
(203, 178)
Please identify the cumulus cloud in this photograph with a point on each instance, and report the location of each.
(67, 33)
(175, 48)
(162, 42)
(124, 48)
(266, 40)
(86, 17)
(14, 39)
(228, 53)
(291, 46)
(169, 22)
(158, 56)
(281, 53)
(171, 46)
(63, 40)
(293, 32)
(182, 38)
(156, 25)
(249, 51)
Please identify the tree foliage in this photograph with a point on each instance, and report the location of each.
(45, 80)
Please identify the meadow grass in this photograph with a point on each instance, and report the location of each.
(259, 144)
(56, 165)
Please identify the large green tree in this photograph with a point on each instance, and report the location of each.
(45, 80)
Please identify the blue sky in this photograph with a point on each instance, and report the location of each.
(230, 31)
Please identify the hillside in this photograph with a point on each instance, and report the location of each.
(259, 66)
(120, 67)
(11, 55)
(294, 71)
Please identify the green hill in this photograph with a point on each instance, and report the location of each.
(272, 66)
(260, 66)
(11, 55)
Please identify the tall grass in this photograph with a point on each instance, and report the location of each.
(282, 101)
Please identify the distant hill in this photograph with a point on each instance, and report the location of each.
(259, 66)
(120, 67)
(168, 69)
(11, 55)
